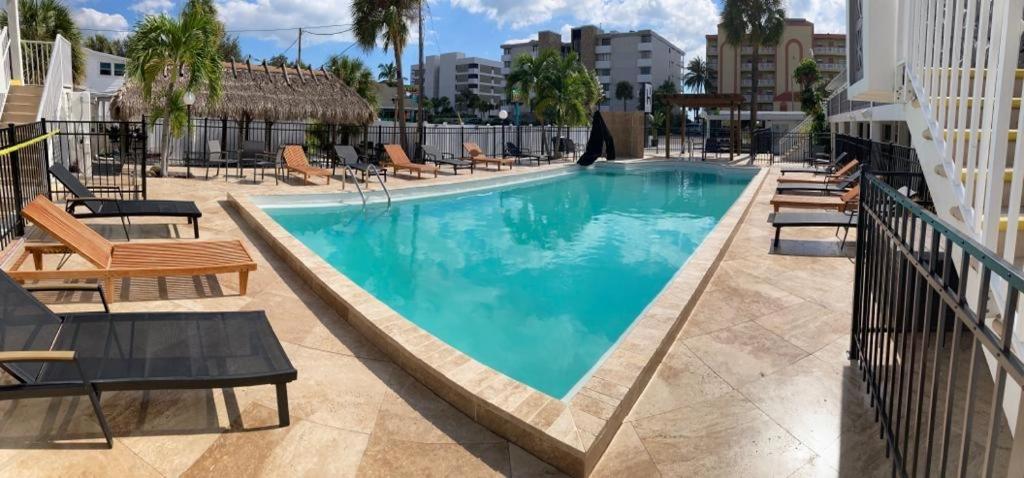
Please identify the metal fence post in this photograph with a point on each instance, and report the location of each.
(16, 180)
(145, 153)
(46, 159)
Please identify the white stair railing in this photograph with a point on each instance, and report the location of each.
(58, 81)
(5, 67)
(35, 59)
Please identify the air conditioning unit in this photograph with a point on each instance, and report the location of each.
(870, 50)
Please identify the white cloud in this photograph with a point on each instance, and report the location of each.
(153, 6)
(262, 14)
(829, 16)
(95, 19)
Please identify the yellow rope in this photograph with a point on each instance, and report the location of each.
(11, 149)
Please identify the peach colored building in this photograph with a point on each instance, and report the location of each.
(777, 89)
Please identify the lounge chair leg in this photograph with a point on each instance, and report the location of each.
(282, 405)
(94, 398)
(775, 243)
(243, 282)
(108, 284)
(37, 260)
(195, 227)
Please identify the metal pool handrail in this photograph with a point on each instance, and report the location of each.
(355, 180)
(376, 172)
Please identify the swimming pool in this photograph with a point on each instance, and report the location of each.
(536, 280)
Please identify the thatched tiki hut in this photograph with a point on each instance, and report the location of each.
(264, 94)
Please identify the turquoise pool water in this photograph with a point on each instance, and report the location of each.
(536, 280)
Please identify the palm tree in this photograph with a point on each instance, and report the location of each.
(353, 72)
(698, 77)
(524, 79)
(387, 20)
(105, 44)
(43, 20)
(164, 45)
(624, 92)
(387, 73)
(753, 23)
(566, 92)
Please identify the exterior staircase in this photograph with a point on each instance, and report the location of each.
(22, 104)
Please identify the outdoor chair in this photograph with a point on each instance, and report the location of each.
(824, 169)
(838, 176)
(217, 157)
(89, 353)
(477, 155)
(96, 207)
(844, 220)
(349, 157)
(431, 154)
(511, 149)
(295, 161)
(117, 261)
(255, 154)
(399, 161)
(840, 203)
(821, 188)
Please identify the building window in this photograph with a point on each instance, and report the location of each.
(606, 42)
(118, 69)
(645, 70)
(604, 57)
(105, 69)
(645, 54)
(604, 72)
(645, 38)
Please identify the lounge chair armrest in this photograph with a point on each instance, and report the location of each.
(38, 356)
(71, 288)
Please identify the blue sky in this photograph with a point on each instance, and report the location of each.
(475, 27)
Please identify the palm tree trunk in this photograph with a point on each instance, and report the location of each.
(165, 149)
(400, 100)
(753, 99)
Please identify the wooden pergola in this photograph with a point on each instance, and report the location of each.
(731, 101)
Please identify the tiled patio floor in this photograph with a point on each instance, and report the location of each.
(757, 385)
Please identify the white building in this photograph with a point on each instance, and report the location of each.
(449, 74)
(104, 75)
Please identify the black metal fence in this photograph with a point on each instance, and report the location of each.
(23, 176)
(772, 147)
(111, 154)
(934, 344)
(898, 165)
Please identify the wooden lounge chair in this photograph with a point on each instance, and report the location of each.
(838, 220)
(51, 355)
(833, 189)
(295, 161)
(123, 208)
(836, 177)
(839, 203)
(827, 168)
(400, 161)
(477, 156)
(116, 261)
(433, 155)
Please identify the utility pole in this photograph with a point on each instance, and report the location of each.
(420, 93)
(298, 62)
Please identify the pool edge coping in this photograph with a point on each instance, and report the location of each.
(572, 434)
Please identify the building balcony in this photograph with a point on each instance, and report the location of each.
(644, 62)
(645, 46)
(770, 50)
(760, 67)
(603, 49)
(506, 57)
(830, 51)
(760, 83)
(832, 67)
(604, 79)
(602, 64)
(643, 78)
(505, 71)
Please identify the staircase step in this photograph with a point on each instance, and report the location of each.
(1007, 175)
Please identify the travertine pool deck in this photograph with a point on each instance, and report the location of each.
(756, 384)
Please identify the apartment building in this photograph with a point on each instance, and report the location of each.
(637, 57)
(778, 90)
(448, 74)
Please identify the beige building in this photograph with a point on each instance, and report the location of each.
(777, 89)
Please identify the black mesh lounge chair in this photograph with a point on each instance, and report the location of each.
(90, 353)
(431, 154)
(829, 168)
(813, 219)
(820, 188)
(348, 156)
(125, 209)
(511, 149)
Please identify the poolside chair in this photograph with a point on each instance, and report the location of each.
(820, 188)
(827, 168)
(295, 161)
(217, 157)
(105, 207)
(844, 220)
(511, 149)
(839, 203)
(118, 261)
(432, 155)
(477, 155)
(348, 156)
(835, 177)
(52, 355)
(400, 161)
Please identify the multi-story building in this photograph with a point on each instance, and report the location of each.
(637, 57)
(778, 90)
(449, 74)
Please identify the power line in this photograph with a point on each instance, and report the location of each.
(247, 30)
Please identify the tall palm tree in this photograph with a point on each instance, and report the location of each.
(524, 79)
(566, 92)
(354, 73)
(163, 45)
(387, 73)
(42, 20)
(387, 20)
(699, 78)
(624, 92)
(757, 24)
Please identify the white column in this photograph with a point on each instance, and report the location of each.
(14, 33)
(875, 129)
